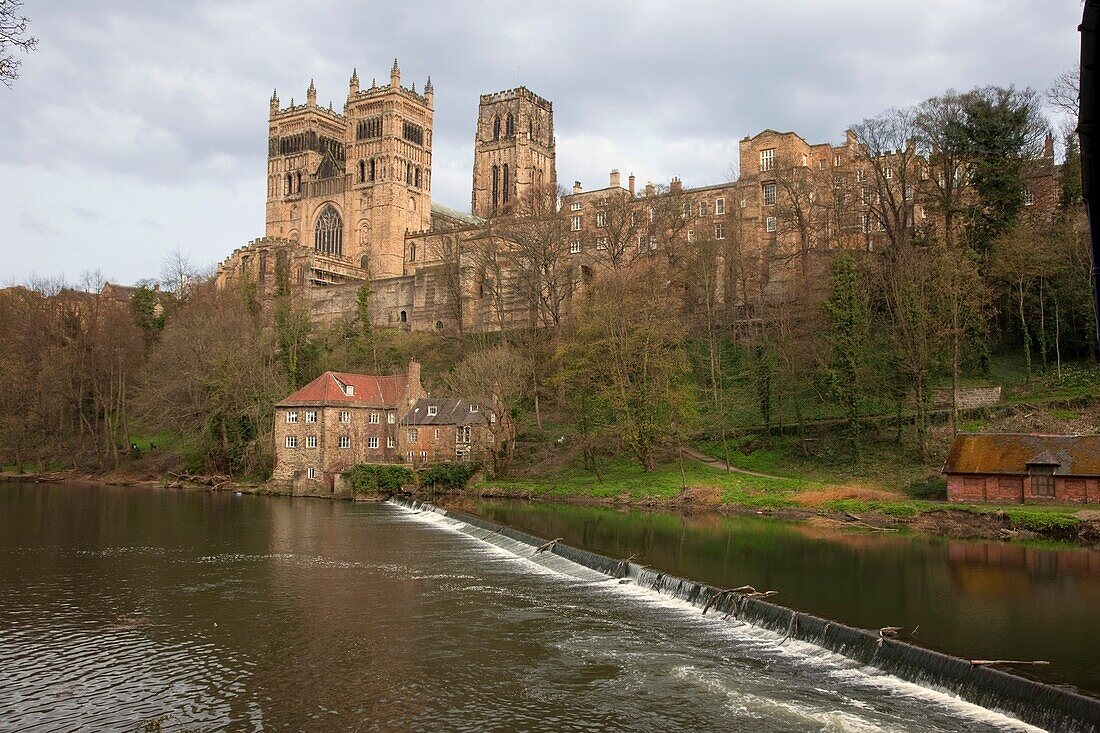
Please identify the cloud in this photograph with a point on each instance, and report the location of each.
(135, 115)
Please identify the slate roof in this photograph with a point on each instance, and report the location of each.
(450, 411)
(449, 213)
(1011, 453)
(368, 391)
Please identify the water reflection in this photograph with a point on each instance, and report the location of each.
(979, 600)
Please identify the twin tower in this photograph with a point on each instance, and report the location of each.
(352, 184)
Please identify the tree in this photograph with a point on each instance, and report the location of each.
(13, 37)
(538, 238)
(614, 226)
(495, 379)
(888, 159)
(1018, 258)
(801, 206)
(846, 308)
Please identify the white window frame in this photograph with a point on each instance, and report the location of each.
(719, 207)
(462, 434)
(311, 441)
(769, 224)
(1029, 196)
(291, 441)
(575, 247)
(575, 224)
(837, 159)
(292, 417)
(702, 208)
(389, 441)
(767, 159)
(475, 408)
(575, 206)
(601, 243)
(372, 442)
(373, 418)
(691, 235)
(345, 416)
(390, 418)
(414, 435)
(311, 416)
(433, 410)
(601, 218)
(311, 472)
(437, 433)
(719, 231)
(773, 190)
(345, 441)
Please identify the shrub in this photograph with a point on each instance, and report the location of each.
(448, 475)
(934, 488)
(378, 479)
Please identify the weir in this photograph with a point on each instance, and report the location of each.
(1036, 703)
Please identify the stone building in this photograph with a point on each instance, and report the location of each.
(1024, 468)
(349, 202)
(449, 429)
(340, 420)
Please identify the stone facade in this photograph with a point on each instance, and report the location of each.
(437, 430)
(349, 202)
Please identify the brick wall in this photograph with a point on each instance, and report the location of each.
(1017, 490)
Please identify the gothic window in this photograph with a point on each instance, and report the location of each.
(287, 189)
(362, 171)
(372, 169)
(328, 235)
(510, 126)
(298, 182)
(496, 187)
(496, 128)
(409, 173)
(416, 181)
(364, 262)
(530, 130)
(505, 188)
(263, 268)
(412, 253)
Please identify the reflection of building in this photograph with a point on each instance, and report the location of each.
(1020, 468)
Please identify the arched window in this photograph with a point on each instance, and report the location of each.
(298, 182)
(496, 127)
(504, 189)
(362, 171)
(412, 253)
(510, 126)
(328, 234)
(287, 186)
(417, 182)
(404, 317)
(530, 130)
(364, 262)
(372, 169)
(496, 187)
(408, 173)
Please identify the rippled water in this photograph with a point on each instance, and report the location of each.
(219, 612)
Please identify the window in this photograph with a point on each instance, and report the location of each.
(423, 453)
(719, 207)
(601, 219)
(633, 218)
(836, 160)
(291, 441)
(574, 247)
(311, 472)
(1042, 484)
(389, 442)
(372, 442)
(292, 417)
(433, 410)
(767, 159)
(769, 194)
(345, 441)
(345, 416)
(861, 174)
(601, 243)
(328, 233)
(702, 208)
(311, 416)
(390, 418)
(652, 242)
(349, 390)
(641, 242)
(575, 224)
(741, 203)
(462, 434)
(719, 231)
(437, 433)
(769, 224)
(687, 210)
(888, 173)
(374, 418)
(691, 235)
(474, 408)
(575, 206)
(414, 435)
(865, 223)
(311, 441)
(1029, 197)
(908, 192)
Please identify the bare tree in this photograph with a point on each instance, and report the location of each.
(1065, 93)
(496, 379)
(888, 160)
(801, 206)
(179, 273)
(538, 238)
(13, 37)
(616, 223)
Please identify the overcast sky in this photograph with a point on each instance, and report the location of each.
(139, 126)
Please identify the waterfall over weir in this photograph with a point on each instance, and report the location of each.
(1045, 706)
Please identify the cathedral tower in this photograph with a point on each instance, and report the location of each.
(350, 185)
(513, 150)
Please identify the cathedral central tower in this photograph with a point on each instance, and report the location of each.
(513, 150)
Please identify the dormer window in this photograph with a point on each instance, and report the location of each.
(432, 410)
(473, 408)
(349, 390)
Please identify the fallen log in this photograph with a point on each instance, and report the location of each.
(1011, 662)
(548, 545)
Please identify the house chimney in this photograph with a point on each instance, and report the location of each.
(416, 391)
(675, 185)
(631, 183)
(1048, 146)
(576, 187)
(650, 189)
(615, 180)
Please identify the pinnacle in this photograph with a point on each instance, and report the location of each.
(395, 69)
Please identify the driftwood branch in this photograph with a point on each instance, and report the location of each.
(855, 519)
(548, 545)
(1011, 662)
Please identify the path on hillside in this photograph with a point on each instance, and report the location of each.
(722, 465)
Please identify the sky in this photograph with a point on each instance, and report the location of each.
(138, 127)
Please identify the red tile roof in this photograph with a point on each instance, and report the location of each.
(1011, 453)
(368, 391)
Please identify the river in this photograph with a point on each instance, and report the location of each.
(125, 609)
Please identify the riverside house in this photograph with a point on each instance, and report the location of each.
(1011, 468)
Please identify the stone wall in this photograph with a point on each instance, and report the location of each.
(970, 398)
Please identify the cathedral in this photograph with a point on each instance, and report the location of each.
(349, 198)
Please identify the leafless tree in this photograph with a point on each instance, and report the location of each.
(614, 225)
(495, 379)
(888, 160)
(13, 37)
(1065, 93)
(538, 237)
